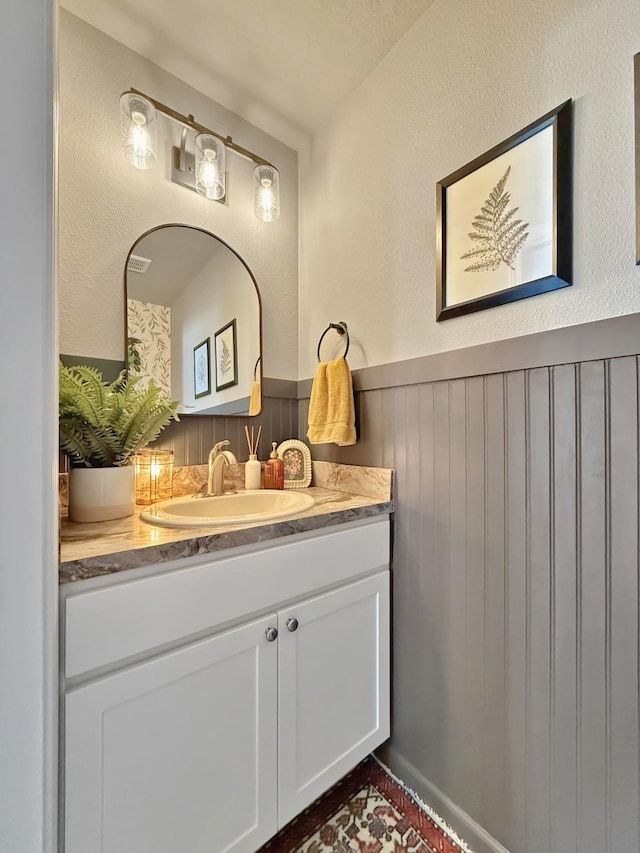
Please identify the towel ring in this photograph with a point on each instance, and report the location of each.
(341, 329)
(255, 369)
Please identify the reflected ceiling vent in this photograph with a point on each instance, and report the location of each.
(138, 264)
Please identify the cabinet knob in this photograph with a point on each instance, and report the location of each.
(292, 625)
(271, 634)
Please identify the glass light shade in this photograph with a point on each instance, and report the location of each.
(138, 128)
(210, 166)
(266, 182)
(154, 476)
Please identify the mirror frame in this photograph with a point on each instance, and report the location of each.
(255, 284)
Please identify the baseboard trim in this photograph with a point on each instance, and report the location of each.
(464, 825)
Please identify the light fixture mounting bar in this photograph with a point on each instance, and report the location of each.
(189, 121)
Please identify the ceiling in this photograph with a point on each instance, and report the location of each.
(282, 64)
(177, 255)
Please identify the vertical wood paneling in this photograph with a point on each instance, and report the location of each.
(475, 513)
(540, 570)
(622, 660)
(493, 724)
(564, 731)
(408, 587)
(593, 775)
(457, 629)
(516, 596)
(386, 423)
(441, 628)
(432, 589)
(368, 450)
(514, 827)
(193, 437)
(395, 419)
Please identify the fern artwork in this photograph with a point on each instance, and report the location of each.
(504, 220)
(103, 425)
(497, 235)
(226, 352)
(225, 359)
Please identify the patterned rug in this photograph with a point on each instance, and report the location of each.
(367, 812)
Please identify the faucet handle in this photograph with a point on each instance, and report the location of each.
(217, 447)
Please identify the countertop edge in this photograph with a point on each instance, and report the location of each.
(211, 542)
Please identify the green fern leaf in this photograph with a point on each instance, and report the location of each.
(102, 425)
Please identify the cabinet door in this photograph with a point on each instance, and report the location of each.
(178, 753)
(333, 692)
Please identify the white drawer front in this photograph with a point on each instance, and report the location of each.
(107, 625)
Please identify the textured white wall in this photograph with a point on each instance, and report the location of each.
(466, 76)
(105, 204)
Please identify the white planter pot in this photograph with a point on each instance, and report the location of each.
(100, 494)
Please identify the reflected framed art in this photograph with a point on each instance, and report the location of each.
(202, 369)
(226, 347)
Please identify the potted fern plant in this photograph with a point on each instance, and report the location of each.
(102, 426)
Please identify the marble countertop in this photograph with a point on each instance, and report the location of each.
(92, 550)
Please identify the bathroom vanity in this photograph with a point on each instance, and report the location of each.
(208, 699)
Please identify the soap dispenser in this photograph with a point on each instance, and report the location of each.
(274, 471)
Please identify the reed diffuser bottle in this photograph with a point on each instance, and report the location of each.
(252, 468)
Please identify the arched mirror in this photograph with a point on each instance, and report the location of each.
(194, 321)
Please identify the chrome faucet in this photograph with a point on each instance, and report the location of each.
(218, 460)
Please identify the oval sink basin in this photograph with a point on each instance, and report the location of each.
(238, 508)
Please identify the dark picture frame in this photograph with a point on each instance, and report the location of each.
(226, 356)
(202, 369)
(636, 101)
(480, 255)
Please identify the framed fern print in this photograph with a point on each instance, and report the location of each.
(201, 369)
(504, 221)
(226, 350)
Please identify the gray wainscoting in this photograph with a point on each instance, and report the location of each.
(193, 437)
(515, 708)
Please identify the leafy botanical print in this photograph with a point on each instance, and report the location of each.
(225, 358)
(498, 236)
(135, 356)
(149, 330)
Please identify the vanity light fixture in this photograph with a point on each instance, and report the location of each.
(210, 165)
(203, 171)
(138, 130)
(267, 193)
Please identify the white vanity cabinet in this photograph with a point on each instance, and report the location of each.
(175, 741)
(164, 756)
(333, 688)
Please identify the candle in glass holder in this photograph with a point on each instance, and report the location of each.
(154, 476)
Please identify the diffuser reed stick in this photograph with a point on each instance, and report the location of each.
(253, 442)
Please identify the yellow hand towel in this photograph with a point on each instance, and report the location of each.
(331, 410)
(255, 403)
